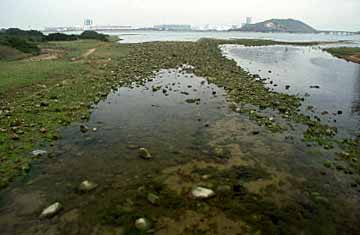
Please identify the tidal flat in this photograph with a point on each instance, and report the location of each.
(171, 138)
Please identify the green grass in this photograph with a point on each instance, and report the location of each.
(9, 53)
(16, 74)
(343, 51)
(74, 49)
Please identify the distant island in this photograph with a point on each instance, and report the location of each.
(278, 25)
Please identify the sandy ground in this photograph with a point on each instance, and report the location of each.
(354, 58)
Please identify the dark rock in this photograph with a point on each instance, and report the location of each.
(84, 128)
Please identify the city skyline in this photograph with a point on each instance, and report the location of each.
(139, 13)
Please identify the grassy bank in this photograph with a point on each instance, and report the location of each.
(38, 97)
(348, 53)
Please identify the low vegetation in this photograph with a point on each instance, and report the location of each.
(61, 37)
(27, 43)
(347, 53)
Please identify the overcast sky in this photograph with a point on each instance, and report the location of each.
(321, 14)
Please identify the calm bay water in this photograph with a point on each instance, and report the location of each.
(139, 36)
(147, 36)
(336, 100)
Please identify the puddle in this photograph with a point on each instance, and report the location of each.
(195, 140)
(335, 82)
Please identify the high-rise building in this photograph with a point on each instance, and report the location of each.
(248, 20)
(88, 23)
(173, 27)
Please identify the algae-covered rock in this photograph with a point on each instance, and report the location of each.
(84, 128)
(144, 153)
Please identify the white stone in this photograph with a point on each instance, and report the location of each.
(38, 153)
(51, 210)
(87, 186)
(200, 192)
(142, 224)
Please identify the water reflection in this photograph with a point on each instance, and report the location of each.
(330, 85)
(356, 92)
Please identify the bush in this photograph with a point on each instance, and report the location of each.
(21, 45)
(94, 35)
(61, 37)
(30, 35)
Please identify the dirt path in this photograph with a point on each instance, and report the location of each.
(88, 53)
(354, 58)
(47, 54)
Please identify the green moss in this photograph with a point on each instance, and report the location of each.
(343, 51)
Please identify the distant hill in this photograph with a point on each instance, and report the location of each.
(278, 25)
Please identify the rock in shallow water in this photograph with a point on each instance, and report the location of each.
(87, 186)
(200, 192)
(38, 153)
(84, 128)
(52, 210)
(144, 153)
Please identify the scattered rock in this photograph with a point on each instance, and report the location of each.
(255, 132)
(43, 130)
(202, 193)
(87, 186)
(192, 101)
(327, 164)
(132, 146)
(153, 199)
(233, 105)
(39, 153)
(51, 211)
(44, 103)
(324, 113)
(219, 152)
(142, 224)
(144, 153)
(14, 136)
(84, 128)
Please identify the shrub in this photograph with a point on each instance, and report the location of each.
(61, 37)
(30, 35)
(94, 35)
(22, 45)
